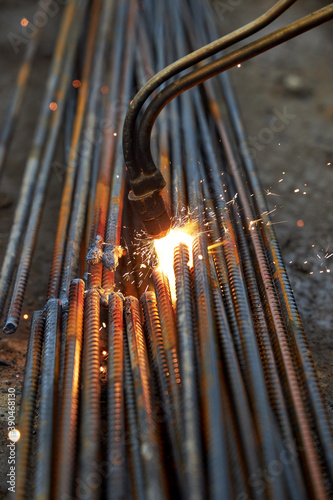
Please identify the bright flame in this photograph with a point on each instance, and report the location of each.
(14, 435)
(165, 248)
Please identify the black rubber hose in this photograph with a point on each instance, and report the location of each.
(144, 160)
(181, 65)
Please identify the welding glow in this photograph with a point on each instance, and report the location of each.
(165, 247)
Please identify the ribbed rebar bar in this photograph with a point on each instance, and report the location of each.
(149, 438)
(79, 204)
(89, 474)
(169, 335)
(14, 109)
(116, 487)
(218, 474)
(68, 417)
(112, 250)
(192, 444)
(28, 402)
(110, 140)
(254, 234)
(48, 406)
(207, 395)
(152, 324)
(73, 158)
(29, 242)
(138, 484)
(31, 169)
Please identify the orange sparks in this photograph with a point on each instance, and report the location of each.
(53, 106)
(76, 84)
(25, 316)
(300, 223)
(24, 22)
(105, 89)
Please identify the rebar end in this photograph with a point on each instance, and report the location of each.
(10, 326)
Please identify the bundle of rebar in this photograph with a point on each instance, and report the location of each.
(141, 383)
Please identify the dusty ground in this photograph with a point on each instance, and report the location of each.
(296, 77)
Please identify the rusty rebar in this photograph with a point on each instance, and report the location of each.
(14, 109)
(148, 432)
(69, 404)
(112, 250)
(164, 397)
(261, 327)
(29, 242)
(110, 132)
(116, 486)
(215, 438)
(137, 486)
(271, 304)
(89, 474)
(190, 422)
(169, 335)
(79, 204)
(48, 406)
(28, 402)
(204, 395)
(32, 165)
(73, 158)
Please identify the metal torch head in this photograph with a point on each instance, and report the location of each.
(151, 210)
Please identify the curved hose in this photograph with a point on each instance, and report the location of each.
(212, 48)
(145, 161)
